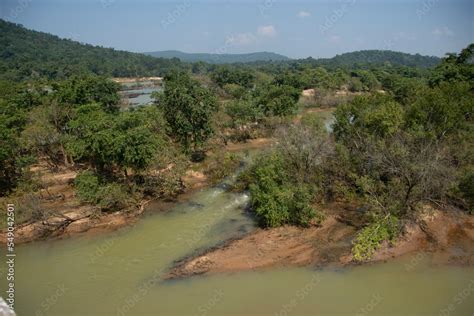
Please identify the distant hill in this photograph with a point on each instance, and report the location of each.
(26, 53)
(219, 58)
(379, 57)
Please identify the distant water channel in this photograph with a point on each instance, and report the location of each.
(135, 94)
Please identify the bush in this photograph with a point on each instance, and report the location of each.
(107, 196)
(234, 90)
(369, 239)
(242, 112)
(222, 165)
(466, 186)
(113, 197)
(87, 186)
(28, 208)
(275, 199)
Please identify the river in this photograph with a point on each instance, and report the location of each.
(119, 273)
(138, 93)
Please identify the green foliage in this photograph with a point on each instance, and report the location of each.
(442, 110)
(278, 100)
(113, 197)
(368, 240)
(224, 75)
(15, 102)
(27, 54)
(379, 58)
(242, 112)
(455, 68)
(188, 109)
(355, 85)
(124, 140)
(201, 58)
(234, 90)
(366, 81)
(367, 115)
(466, 186)
(27, 208)
(88, 89)
(108, 196)
(87, 186)
(275, 199)
(221, 166)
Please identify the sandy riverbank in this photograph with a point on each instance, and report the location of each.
(447, 237)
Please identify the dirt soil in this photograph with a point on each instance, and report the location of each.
(63, 214)
(447, 236)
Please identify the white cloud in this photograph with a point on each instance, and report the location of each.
(335, 39)
(304, 14)
(241, 39)
(267, 31)
(442, 31)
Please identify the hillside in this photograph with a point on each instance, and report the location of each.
(26, 53)
(219, 58)
(379, 57)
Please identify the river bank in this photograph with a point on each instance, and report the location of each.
(69, 217)
(445, 237)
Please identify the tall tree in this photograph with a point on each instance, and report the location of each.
(188, 109)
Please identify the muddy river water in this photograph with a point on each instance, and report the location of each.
(120, 274)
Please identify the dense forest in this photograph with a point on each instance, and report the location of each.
(29, 54)
(219, 58)
(402, 136)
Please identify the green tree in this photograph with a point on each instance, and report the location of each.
(188, 109)
(88, 89)
(277, 100)
(106, 140)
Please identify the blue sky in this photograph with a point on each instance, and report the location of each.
(294, 28)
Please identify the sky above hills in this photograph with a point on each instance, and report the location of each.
(320, 28)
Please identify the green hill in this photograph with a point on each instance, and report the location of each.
(219, 58)
(26, 53)
(379, 57)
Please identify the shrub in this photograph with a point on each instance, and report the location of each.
(87, 186)
(234, 90)
(466, 186)
(275, 199)
(222, 165)
(113, 197)
(28, 208)
(107, 196)
(368, 240)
